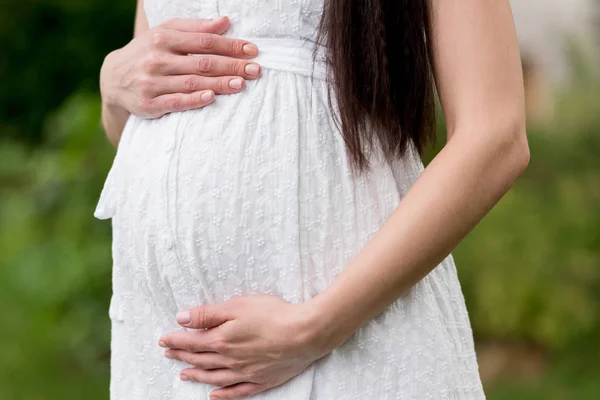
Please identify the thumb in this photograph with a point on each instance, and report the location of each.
(216, 26)
(203, 317)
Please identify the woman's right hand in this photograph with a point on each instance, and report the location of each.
(153, 75)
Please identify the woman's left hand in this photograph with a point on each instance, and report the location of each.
(244, 345)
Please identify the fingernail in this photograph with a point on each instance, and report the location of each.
(250, 49)
(184, 377)
(162, 344)
(252, 69)
(169, 354)
(183, 317)
(206, 96)
(235, 83)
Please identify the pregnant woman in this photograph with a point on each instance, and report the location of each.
(275, 235)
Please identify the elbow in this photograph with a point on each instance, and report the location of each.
(517, 150)
(504, 147)
(497, 143)
(508, 150)
(525, 157)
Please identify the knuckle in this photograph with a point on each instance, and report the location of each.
(193, 347)
(145, 84)
(196, 364)
(194, 376)
(251, 376)
(173, 103)
(221, 346)
(238, 68)
(191, 83)
(195, 102)
(207, 41)
(204, 64)
(158, 38)
(151, 62)
(236, 365)
(221, 382)
(173, 354)
(146, 106)
(195, 361)
(201, 317)
(223, 85)
(235, 46)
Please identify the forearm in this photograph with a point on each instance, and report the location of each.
(450, 197)
(114, 119)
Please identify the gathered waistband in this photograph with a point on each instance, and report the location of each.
(290, 55)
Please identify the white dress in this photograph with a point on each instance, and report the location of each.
(253, 194)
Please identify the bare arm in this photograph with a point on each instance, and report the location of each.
(479, 79)
(115, 117)
(141, 22)
(257, 342)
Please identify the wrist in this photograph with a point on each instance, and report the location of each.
(319, 327)
(114, 118)
(110, 101)
(111, 110)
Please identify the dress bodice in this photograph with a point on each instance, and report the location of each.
(292, 19)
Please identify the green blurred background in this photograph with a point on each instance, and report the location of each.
(530, 272)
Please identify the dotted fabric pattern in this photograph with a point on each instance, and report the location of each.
(253, 194)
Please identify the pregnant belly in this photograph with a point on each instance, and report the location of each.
(252, 194)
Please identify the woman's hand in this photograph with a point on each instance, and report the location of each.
(245, 345)
(154, 75)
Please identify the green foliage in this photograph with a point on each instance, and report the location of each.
(51, 48)
(530, 270)
(55, 261)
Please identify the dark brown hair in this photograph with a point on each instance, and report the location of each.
(380, 74)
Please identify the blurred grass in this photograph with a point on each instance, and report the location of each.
(530, 271)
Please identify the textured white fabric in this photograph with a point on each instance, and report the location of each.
(253, 194)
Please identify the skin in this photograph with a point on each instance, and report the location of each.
(251, 343)
(153, 74)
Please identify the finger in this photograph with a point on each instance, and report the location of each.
(205, 360)
(216, 377)
(237, 391)
(208, 43)
(204, 317)
(209, 65)
(174, 102)
(195, 83)
(217, 26)
(193, 341)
